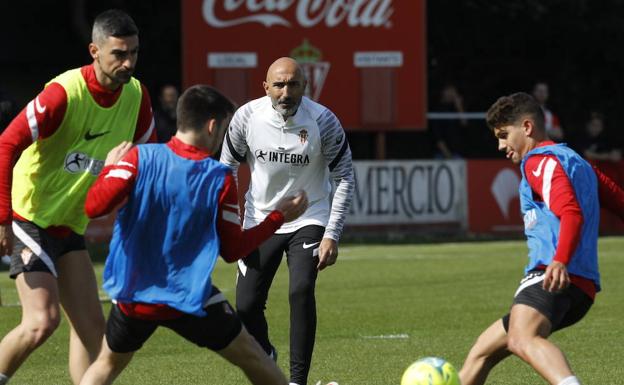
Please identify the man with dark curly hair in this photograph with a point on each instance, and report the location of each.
(560, 198)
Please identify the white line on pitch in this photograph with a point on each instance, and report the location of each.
(401, 336)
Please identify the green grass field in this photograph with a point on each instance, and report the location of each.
(380, 308)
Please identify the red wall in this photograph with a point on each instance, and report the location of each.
(488, 179)
(493, 202)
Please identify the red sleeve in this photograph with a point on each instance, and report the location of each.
(39, 119)
(145, 132)
(112, 185)
(549, 181)
(610, 194)
(235, 242)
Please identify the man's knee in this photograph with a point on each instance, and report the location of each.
(480, 360)
(480, 355)
(248, 348)
(517, 344)
(479, 351)
(301, 291)
(244, 351)
(490, 347)
(39, 327)
(249, 306)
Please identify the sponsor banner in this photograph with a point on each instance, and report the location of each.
(493, 198)
(408, 192)
(342, 45)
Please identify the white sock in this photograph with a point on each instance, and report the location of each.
(572, 380)
(3, 379)
(292, 383)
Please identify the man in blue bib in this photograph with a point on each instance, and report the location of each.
(181, 213)
(560, 198)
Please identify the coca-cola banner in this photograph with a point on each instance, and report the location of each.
(364, 59)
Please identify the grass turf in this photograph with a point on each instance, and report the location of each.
(380, 308)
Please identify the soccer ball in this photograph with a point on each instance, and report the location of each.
(430, 371)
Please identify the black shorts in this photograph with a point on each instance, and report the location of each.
(36, 250)
(563, 308)
(215, 331)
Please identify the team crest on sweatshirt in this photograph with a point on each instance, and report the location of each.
(303, 136)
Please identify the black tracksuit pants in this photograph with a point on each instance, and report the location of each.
(255, 275)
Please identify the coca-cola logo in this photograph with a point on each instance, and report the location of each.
(308, 13)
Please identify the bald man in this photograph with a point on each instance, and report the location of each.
(291, 143)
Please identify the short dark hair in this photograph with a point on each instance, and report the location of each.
(200, 103)
(113, 22)
(507, 110)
